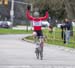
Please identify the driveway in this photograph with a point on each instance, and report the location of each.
(16, 53)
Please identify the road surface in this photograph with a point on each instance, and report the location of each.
(16, 53)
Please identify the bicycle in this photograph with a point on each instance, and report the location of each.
(39, 47)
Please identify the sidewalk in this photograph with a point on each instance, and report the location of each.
(22, 28)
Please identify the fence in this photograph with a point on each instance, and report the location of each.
(56, 36)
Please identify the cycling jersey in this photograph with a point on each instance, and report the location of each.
(37, 22)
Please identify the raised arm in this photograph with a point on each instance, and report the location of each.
(45, 17)
(28, 15)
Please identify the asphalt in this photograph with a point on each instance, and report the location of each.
(16, 53)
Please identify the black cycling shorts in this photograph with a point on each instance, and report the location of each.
(39, 33)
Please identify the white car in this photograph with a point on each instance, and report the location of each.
(45, 23)
(59, 25)
(5, 24)
(73, 23)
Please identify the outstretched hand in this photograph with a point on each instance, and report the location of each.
(47, 9)
(28, 7)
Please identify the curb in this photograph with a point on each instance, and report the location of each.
(24, 39)
(71, 50)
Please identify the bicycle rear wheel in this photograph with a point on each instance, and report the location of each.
(37, 53)
(41, 53)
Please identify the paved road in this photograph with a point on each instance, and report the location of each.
(16, 53)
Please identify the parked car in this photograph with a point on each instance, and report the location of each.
(45, 23)
(5, 24)
(59, 25)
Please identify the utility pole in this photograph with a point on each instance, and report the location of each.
(12, 11)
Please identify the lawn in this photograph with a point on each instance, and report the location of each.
(51, 38)
(55, 38)
(13, 31)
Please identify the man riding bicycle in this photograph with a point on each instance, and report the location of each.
(37, 23)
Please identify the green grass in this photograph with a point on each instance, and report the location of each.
(13, 31)
(52, 38)
(55, 38)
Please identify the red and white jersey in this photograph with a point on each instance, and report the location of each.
(37, 22)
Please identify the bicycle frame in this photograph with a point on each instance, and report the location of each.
(39, 49)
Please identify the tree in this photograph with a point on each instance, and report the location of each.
(70, 8)
(58, 8)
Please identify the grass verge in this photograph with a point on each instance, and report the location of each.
(13, 31)
(55, 38)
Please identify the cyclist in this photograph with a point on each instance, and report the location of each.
(37, 23)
